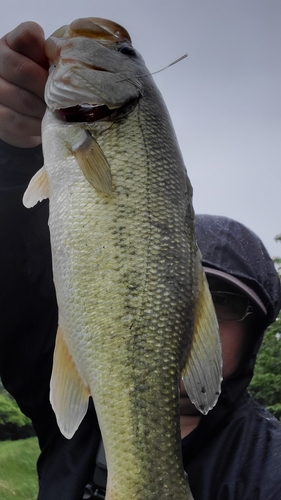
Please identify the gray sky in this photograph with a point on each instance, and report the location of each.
(224, 99)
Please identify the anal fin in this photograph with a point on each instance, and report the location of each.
(202, 374)
(69, 396)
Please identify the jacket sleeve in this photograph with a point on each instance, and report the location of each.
(28, 309)
(28, 325)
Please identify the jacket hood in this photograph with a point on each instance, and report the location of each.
(230, 247)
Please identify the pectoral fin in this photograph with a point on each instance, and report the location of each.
(93, 164)
(37, 189)
(202, 374)
(69, 396)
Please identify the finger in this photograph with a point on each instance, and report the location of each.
(18, 68)
(28, 39)
(21, 100)
(20, 130)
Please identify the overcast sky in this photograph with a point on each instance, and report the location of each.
(224, 99)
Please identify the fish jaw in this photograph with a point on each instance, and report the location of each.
(92, 68)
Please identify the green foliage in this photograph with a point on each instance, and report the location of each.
(266, 384)
(10, 413)
(18, 477)
(13, 423)
(277, 260)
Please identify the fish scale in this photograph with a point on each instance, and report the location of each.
(127, 274)
(136, 300)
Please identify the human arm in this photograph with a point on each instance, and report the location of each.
(28, 324)
(29, 315)
(27, 298)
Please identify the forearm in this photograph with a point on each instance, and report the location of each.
(27, 297)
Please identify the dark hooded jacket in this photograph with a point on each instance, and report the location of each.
(28, 324)
(234, 453)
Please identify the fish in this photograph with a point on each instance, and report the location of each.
(135, 311)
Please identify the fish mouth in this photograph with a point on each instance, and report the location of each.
(84, 113)
(89, 113)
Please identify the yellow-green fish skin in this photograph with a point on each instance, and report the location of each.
(125, 273)
(124, 299)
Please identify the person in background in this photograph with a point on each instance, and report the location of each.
(233, 453)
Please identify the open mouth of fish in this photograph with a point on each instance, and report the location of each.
(84, 113)
(89, 113)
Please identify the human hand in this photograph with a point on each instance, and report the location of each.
(23, 74)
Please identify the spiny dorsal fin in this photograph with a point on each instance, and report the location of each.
(37, 189)
(202, 374)
(93, 164)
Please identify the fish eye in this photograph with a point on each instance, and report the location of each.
(127, 50)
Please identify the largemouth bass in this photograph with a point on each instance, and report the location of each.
(135, 312)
